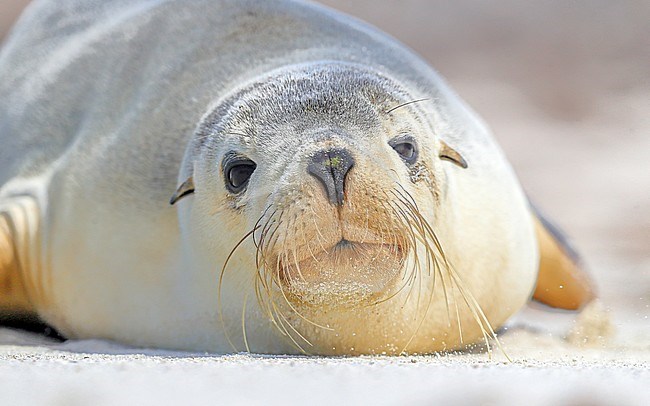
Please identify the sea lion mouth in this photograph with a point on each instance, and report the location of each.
(344, 274)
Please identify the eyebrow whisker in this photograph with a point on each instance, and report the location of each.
(405, 104)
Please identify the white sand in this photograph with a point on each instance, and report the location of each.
(565, 86)
(545, 371)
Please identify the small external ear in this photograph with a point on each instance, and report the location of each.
(186, 188)
(449, 154)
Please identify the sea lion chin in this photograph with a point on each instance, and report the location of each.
(347, 274)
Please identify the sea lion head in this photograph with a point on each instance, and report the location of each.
(316, 186)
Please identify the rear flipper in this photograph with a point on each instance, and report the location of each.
(562, 281)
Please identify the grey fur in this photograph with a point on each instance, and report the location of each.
(143, 72)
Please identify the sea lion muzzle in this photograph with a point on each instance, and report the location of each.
(330, 167)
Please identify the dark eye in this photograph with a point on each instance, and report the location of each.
(406, 148)
(238, 171)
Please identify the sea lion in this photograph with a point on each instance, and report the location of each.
(332, 194)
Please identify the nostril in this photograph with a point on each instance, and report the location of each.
(331, 167)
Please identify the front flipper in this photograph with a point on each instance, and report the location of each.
(562, 281)
(17, 218)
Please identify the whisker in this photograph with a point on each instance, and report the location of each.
(286, 299)
(405, 104)
(220, 285)
(243, 324)
(319, 234)
(426, 234)
(401, 214)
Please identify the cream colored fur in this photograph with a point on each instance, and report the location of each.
(105, 112)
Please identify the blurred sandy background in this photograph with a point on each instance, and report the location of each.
(565, 85)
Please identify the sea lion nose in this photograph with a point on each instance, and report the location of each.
(330, 167)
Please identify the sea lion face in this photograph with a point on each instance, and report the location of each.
(317, 187)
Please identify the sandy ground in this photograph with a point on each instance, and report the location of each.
(544, 372)
(566, 88)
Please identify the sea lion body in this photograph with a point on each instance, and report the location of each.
(104, 107)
